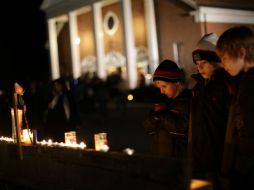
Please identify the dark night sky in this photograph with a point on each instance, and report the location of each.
(23, 35)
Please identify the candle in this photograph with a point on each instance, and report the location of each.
(101, 142)
(70, 137)
(27, 136)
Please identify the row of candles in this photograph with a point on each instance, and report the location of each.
(29, 137)
(100, 140)
(48, 142)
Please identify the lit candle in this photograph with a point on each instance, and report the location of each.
(27, 136)
(101, 142)
(82, 145)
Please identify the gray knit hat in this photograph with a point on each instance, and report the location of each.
(205, 49)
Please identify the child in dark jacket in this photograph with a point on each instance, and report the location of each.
(211, 97)
(236, 50)
(168, 123)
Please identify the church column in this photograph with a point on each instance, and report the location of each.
(129, 43)
(99, 40)
(151, 35)
(53, 46)
(74, 40)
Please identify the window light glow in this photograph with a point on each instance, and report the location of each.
(77, 40)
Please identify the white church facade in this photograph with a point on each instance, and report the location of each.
(133, 36)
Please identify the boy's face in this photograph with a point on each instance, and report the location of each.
(232, 65)
(205, 68)
(170, 89)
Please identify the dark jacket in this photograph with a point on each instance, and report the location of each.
(209, 111)
(169, 126)
(239, 145)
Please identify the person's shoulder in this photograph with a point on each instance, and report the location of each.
(222, 76)
(186, 93)
(248, 75)
(224, 80)
(250, 72)
(221, 73)
(196, 76)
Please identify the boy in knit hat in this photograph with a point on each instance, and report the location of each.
(236, 50)
(205, 57)
(210, 103)
(168, 124)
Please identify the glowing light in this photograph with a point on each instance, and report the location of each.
(129, 151)
(149, 76)
(50, 143)
(130, 97)
(82, 145)
(70, 137)
(77, 40)
(199, 184)
(43, 142)
(104, 148)
(7, 139)
(27, 136)
(101, 142)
